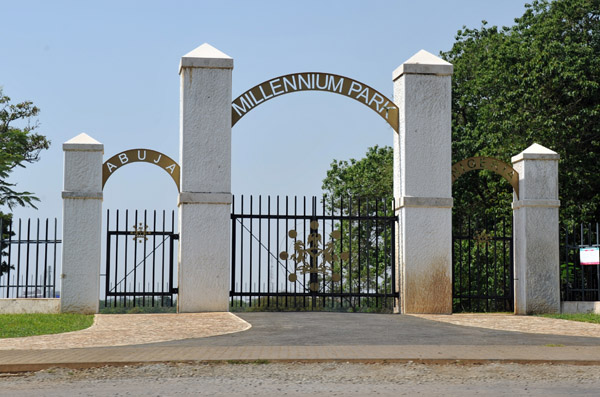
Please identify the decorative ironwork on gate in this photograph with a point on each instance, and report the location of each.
(579, 282)
(302, 254)
(141, 260)
(482, 272)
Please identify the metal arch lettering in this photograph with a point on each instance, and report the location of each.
(141, 155)
(310, 81)
(487, 163)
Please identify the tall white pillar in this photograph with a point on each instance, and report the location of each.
(422, 184)
(82, 225)
(205, 198)
(536, 234)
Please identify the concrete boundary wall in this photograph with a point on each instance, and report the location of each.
(29, 305)
(574, 307)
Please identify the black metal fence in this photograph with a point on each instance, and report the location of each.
(141, 257)
(310, 254)
(579, 282)
(30, 259)
(482, 256)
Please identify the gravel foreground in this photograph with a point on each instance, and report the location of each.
(296, 379)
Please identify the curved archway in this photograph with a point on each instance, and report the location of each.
(141, 155)
(487, 163)
(309, 81)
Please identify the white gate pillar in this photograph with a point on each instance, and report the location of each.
(536, 234)
(82, 225)
(205, 198)
(422, 184)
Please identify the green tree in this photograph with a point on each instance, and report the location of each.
(19, 146)
(362, 188)
(535, 82)
(369, 177)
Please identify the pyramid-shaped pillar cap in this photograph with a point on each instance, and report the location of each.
(206, 56)
(424, 62)
(536, 152)
(83, 143)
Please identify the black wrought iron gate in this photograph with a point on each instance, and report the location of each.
(141, 259)
(482, 273)
(313, 254)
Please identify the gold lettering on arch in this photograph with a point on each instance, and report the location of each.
(141, 155)
(487, 163)
(328, 82)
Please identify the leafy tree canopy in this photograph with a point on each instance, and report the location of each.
(369, 177)
(535, 82)
(18, 146)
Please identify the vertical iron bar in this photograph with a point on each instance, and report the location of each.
(233, 250)
(37, 257)
(469, 261)
(45, 260)
(268, 251)
(359, 275)
(377, 303)
(259, 247)
(115, 298)
(55, 256)
(251, 243)
(144, 238)
(18, 258)
(8, 239)
(341, 209)
(242, 252)
(126, 257)
(277, 256)
(163, 273)
(154, 256)
(27, 258)
(107, 260)
(350, 300)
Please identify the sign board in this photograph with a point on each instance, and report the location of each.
(333, 83)
(141, 155)
(589, 255)
(487, 163)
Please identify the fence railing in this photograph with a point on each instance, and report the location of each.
(30, 259)
(579, 282)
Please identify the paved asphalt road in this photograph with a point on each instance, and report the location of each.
(336, 329)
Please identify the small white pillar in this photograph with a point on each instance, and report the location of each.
(82, 225)
(536, 234)
(422, 184)
(205, 198)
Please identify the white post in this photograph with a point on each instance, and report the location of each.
(82, 225)
(536, 234)
(422, 184)
(205, 198)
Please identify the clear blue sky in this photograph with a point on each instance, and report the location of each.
(110, 69)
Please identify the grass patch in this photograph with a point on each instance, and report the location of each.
(583, 317)
(17, 325)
